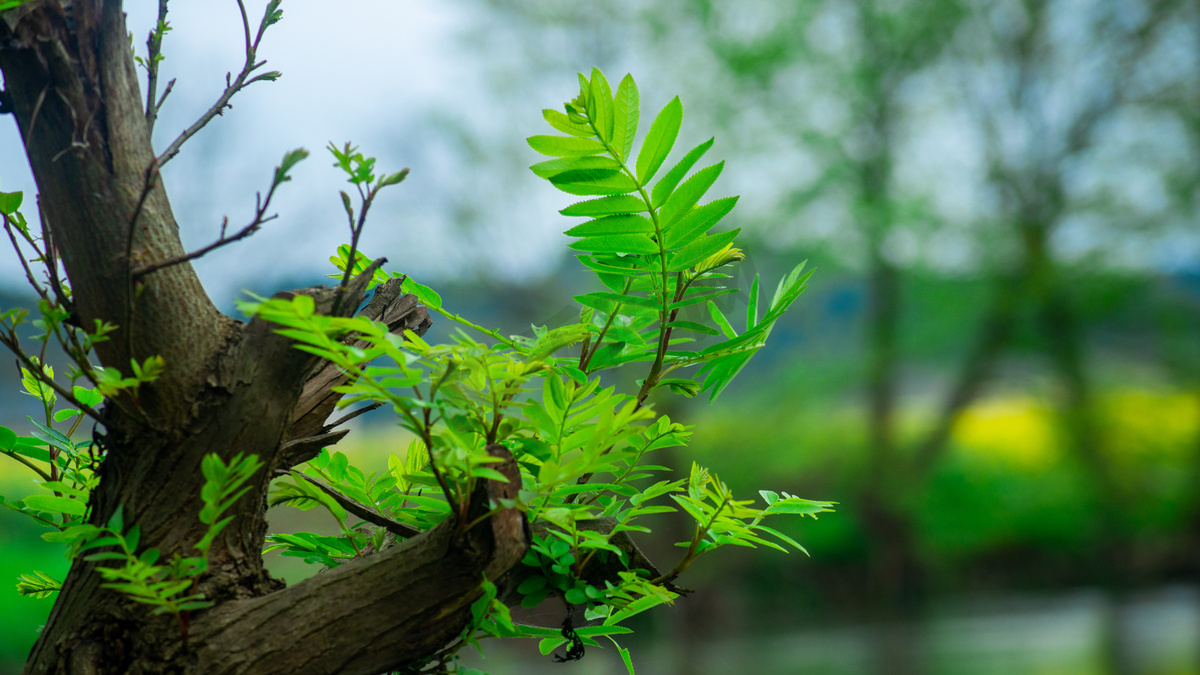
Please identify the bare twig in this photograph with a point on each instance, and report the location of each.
(355, 232)
(361, 510)
(8, 227)
(153, 51)
(232, 87)
(349, 416)
(34, 369)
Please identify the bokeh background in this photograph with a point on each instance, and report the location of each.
(995, 372)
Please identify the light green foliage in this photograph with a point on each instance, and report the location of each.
(38, 585)
(66, 471)
(658, 264)
(583, 448)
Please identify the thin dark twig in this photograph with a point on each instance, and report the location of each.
(166, 92)
(232, 87)
(50, 257)
(153, 50)
(24, 264)
(260, 209)
(355, 232)
(349, 416)
(361, 510)
(35, 370)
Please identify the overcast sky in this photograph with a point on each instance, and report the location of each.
(451, 91)
(374, 72)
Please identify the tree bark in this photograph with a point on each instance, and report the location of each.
(228, 388)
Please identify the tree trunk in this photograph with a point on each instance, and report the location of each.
(228, 388)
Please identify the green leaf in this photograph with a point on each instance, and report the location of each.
(425, 294)
(623, 299)
(617, 243)
(721, 371)
(659, 140)
(625, 117)
(625, 657)
(8, 438)
(682, 200)
(553, 167)
(695, 298)
(10, 202)
(594, 182)
(700, 249)
(606, 206)
(621, 224)
(576, 596)
(560, 121)
(116, 522)
(532, 584)
(600, 104)
(720, 320)
(752, 305)
(88, 397)
(52, 436)
(666, 185)
(53, 504)
(289, 160)
(698, 221)
(559, 146)
(692, 326)
(65, 413)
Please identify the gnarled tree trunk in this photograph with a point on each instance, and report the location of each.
(228, 388)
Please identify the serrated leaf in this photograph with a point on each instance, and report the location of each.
(659, 140)
(617, 243)
(594, 182)
(553, 167)
(606, 206)
(562, 146)
(560, 121)
(666, 185)
(600, 104)
(700, 249)
(698, 221)
(638, 300)
(625, 117)
(682, 200)
(622, 224)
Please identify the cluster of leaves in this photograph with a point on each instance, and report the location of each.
(64, 468)
(582, 447)
(56, 321)
(66, 472)
(169, 587)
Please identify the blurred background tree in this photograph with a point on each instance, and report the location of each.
(997, 372)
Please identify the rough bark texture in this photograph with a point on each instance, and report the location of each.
(228, 388)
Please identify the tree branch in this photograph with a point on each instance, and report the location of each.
(388, 611)
(153, 51)
(361, 510)
(240, 82)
